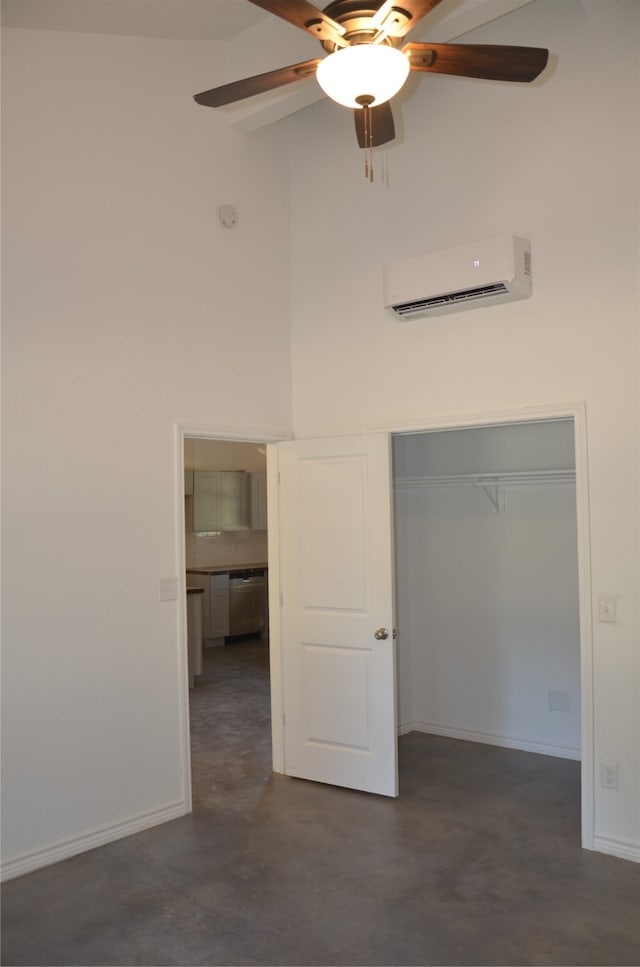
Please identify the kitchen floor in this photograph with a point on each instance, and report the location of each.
(477, 862)
(231, 726)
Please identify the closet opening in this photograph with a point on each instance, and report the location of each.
(488, 587)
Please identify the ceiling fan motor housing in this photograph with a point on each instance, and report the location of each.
(360, 25)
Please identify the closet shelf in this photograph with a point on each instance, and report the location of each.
(508, 478)
(493, 484)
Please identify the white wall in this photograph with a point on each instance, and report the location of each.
(126, 308)
(493, 605)
(513, 447)
(224, 455)
(556, 162)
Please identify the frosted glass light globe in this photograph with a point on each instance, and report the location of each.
(364, 70)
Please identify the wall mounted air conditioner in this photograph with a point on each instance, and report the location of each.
(484, 273)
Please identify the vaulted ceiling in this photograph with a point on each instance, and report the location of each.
(171, 19)
(254, 41)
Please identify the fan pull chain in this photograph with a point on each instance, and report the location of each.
(366, 100)
(368, 140)
(365, 119)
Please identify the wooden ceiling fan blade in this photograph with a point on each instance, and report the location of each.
(489, 61)
(302, 14)
(238, 90)
(382, 126)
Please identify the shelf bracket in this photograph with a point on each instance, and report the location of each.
(495, 495)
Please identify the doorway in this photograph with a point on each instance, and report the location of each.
(574, 417)
(225, 552)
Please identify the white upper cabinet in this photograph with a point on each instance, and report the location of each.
(258, 501)
(220, 501)
(206, 512)
(234, 500)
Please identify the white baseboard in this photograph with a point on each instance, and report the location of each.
(488, 738)
(614, 847)
(63, 849)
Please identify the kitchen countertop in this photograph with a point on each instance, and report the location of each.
(226, 568)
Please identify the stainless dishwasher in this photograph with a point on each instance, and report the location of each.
(247, 601)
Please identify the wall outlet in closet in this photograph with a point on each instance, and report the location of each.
(606, 607)
(609, 775)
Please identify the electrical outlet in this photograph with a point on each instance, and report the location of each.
(609, 775)
(607, 607)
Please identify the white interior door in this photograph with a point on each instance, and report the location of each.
(336, 579)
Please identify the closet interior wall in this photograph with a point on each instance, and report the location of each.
(487, 585)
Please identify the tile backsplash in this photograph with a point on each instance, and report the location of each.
(230, 547)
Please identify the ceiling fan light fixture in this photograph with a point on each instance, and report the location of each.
(363, 71)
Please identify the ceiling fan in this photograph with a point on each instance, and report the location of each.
(368, 63)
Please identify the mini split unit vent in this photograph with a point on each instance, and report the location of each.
(484, 273)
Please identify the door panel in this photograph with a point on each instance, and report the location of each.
(330, 535)
(337, 580)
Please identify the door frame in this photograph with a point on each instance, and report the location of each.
(577, 412)
(266, 437)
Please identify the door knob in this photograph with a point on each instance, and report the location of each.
(381, 634)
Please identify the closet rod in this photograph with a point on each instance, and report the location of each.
(508, 478)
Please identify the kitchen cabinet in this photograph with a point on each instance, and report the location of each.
(194, 632)
(258, 501)
(205, 500)
(234, 500)
(220, 500)
(215, 602)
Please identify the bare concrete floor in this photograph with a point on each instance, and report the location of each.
(477, 862)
